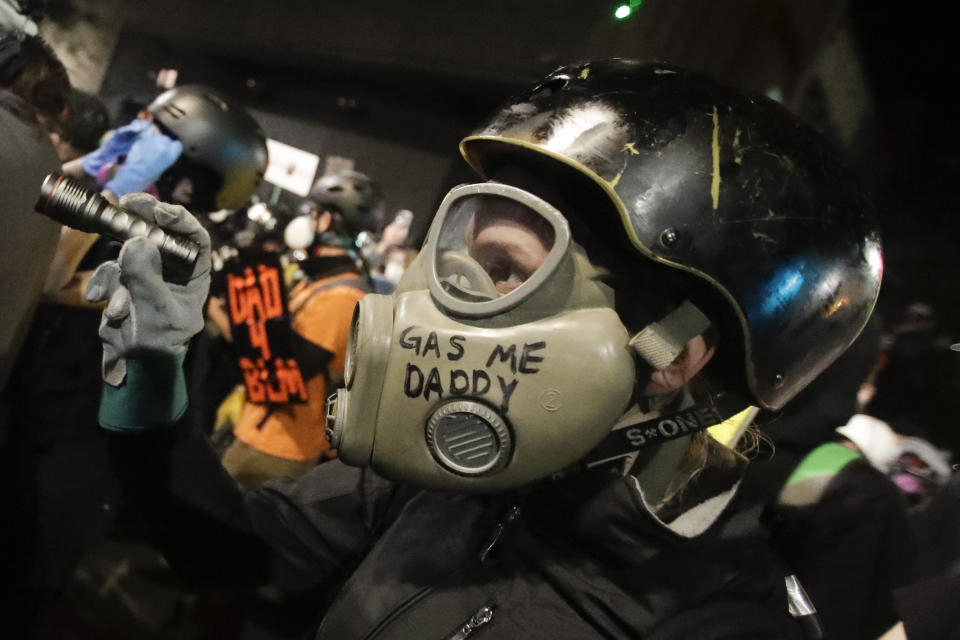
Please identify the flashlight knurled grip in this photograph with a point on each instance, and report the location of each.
(72, 204)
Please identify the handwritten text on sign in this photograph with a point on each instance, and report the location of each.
(258, 315)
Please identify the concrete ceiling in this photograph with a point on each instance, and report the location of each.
(756, 43)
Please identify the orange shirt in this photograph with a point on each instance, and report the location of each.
(295, 431)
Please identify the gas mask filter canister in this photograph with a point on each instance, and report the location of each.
(498, 361)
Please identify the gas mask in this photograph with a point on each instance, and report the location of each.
(499, 360)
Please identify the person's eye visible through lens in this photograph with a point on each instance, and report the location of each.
(502, 268)
(510, 242)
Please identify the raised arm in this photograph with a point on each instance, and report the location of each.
(295, 537)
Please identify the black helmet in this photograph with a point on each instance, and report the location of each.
(224, 150)
(358, 199)
(748, 206)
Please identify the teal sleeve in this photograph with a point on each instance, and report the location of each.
(152, 395)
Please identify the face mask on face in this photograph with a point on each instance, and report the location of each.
(300, 232)
(498, 361)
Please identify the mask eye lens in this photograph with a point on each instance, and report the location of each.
(489, 245)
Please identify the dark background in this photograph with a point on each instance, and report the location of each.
(914, 164)
(394, 85)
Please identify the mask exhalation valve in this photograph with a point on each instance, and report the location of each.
(336, 417)
(469, 438)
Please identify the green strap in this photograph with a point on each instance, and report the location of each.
(827, 459)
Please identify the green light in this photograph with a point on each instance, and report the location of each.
(627, 9)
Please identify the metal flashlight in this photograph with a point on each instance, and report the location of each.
(69, 202)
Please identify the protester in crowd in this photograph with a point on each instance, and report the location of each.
(838, 522)
(85, 124)
(614, 313)
(283, 434)
(33, 97)
(57, 475)
(385, 256)
(918, 381)
(34, 89)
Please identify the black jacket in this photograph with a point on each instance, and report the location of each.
(28, 240)
(578, 558)
(850, 549)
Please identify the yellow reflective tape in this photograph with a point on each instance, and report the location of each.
(729, 431)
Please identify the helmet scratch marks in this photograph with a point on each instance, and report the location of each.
(715, 183)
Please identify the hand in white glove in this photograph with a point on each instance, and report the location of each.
(146, 314)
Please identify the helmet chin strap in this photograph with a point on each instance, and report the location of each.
(659, 344)
(639, 430)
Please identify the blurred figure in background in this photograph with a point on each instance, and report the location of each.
(58, 469)
(34, 90)
(79, 253)
(86, 122)
(837, 521)
(917, 385)
(247, 238)
(190, 146)
(928, 603)
(395, 264)
(282, 434)
(385, 258)
(916, 467)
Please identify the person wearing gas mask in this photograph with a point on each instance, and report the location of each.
(281, 433)
(358, 224)
(522, 428)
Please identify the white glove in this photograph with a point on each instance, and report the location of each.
(146, 314)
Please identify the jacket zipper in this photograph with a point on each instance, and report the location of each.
(498, 532)
(482, 617)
